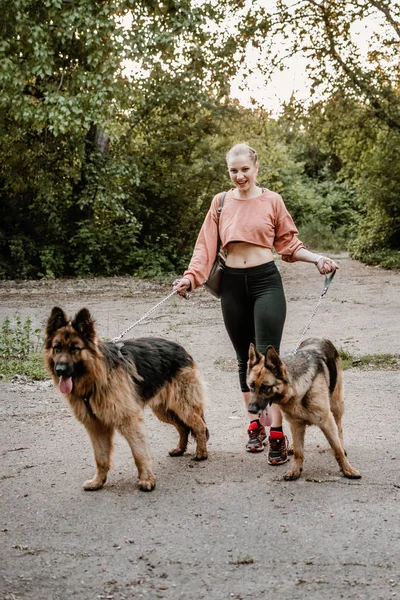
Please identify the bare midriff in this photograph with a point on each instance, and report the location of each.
(241, 255)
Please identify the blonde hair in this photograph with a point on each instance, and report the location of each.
(239, 149)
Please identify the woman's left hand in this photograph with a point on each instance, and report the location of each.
(326, 265)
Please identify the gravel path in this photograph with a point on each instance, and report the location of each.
(226, 528)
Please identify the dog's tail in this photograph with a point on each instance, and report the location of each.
(332, 360)
(174, 419)
(207, 432)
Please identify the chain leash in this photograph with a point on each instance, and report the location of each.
(116, 339)
(328, 280)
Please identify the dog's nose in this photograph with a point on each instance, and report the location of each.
(253, 408)
(62, 369)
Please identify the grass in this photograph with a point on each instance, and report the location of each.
(367, 362)
(370, 362)
(21, 345)
(20, 350)
(31, 367)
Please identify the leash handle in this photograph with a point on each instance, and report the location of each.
(328, 281)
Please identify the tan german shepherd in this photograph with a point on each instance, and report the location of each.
(308, 388)
(108, 385)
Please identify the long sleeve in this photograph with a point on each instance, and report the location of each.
(205, 249)
(286, 242)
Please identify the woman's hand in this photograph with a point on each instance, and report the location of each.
(181, 286)
(325, 265)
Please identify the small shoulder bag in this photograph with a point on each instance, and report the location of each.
(213, 283)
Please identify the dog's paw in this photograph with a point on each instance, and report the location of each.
(353, 474)
(91, 485)
(200, 456)
(176, 452)
(292, 475)
(147, 485)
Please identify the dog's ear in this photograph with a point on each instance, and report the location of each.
(254, 356)
(84, 324)
(274, 363)
(56, 320)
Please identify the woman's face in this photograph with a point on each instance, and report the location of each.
(243, 172)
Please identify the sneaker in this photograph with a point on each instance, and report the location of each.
(257, 437)
(278, 448)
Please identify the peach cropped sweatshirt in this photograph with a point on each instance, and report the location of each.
(263, 221)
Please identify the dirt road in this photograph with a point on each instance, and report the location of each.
(226, 528)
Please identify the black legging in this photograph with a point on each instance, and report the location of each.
(254, 310)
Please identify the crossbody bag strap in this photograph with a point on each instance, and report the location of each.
(221, 204)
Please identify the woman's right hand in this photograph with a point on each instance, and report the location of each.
(181, 286)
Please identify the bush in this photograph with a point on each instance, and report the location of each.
(20, 346)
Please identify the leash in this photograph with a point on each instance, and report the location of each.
(116, 339)
(328, 281)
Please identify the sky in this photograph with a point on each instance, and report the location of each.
(279, 89)
(293, 79)
(282, 83)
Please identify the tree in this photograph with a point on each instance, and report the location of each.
(349, 45)
(67, 106)
(356, 90)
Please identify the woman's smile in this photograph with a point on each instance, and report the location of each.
(243, 174)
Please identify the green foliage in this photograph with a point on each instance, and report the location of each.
(320, 237)
(386, 258)
(45, 231)
(18, 338)
(323, 208)
(102, 173)
(378, 239)
(180, 172)
(324, 33)
(78, 193)
(19, 349)
(360, 161)
(31, 367)
(384, 362)
(59, 62)
(354, 131)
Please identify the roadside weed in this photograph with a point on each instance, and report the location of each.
(369, 362)
(20, 349)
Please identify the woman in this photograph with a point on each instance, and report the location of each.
(252, 222)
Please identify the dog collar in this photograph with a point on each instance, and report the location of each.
(86, 400)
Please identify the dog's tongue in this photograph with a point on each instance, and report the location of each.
(265, 416)
(65, 384)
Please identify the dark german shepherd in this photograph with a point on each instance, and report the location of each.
(308, 388)
(108, 385)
